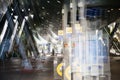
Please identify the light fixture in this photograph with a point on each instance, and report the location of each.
(11, 13)
(115, 36)
(34, 24)
(58, 1)
(112, 51)
(43, 7)
(26, 17)
(42, 17)
(31, 15)
(12, 9)
(117, 53)
(22, 10)
(48, 1)
(15, 20)
(112, 9)
(71, 5)
(108, 10)
(29, 9)
(16, 17)
(47, 13)
(80, 4)
(62, 11)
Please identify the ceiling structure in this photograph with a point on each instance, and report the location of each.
(3, 7)
(47, 13)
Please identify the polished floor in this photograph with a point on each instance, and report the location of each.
(11, 70)
(115, 70)
(45, 73)
(26, 75)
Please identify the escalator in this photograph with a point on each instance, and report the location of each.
(20, 48)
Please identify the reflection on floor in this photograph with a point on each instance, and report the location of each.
(115, 69)
(47, 75)
(10, 72)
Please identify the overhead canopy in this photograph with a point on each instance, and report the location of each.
(45, 12)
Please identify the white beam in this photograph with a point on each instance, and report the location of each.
(3, 31)
(13, 36)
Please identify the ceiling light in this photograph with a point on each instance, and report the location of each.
(34, 24)
(16, 17)
(115, 36)
(29, 9)
(26, 17)
(108, 10)
(71, 5)
(12, 9)
(62, 11)
(11, 13)
(112, 51)
(42, 17)
(14, 20)
(48, 1)
(47, 13)
(112, 9)
(58, 1)
(31, 15)
(22, 10)
(43, 7)
(117, 53)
